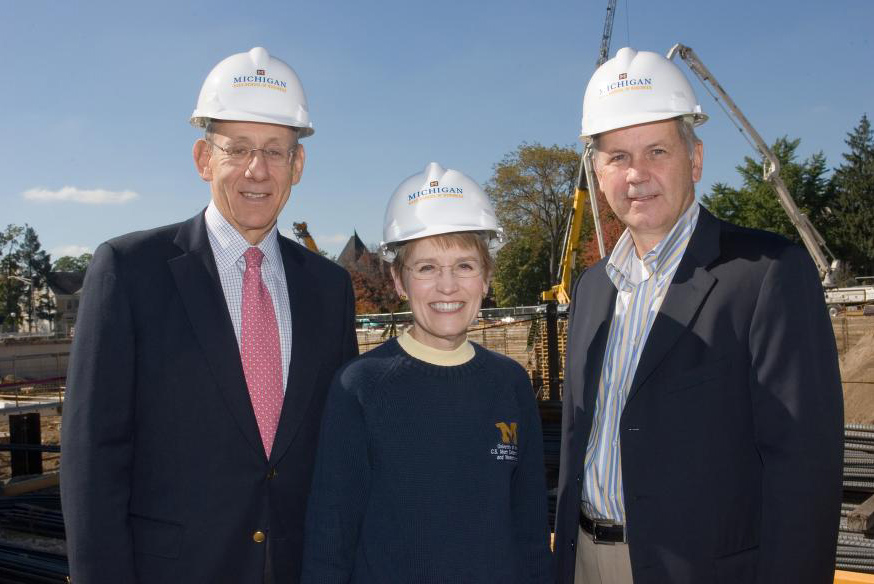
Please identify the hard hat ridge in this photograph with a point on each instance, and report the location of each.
(637, 87)
(253, 87)
(437, 201)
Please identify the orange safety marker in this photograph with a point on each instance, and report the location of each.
(842, 577)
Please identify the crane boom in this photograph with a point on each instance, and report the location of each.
(822, 256)
(604, 53)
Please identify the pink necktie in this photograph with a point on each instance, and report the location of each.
(262, 360)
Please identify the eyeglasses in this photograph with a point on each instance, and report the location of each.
(431, 271)
(274, 156)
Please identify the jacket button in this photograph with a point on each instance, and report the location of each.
(258, 537)
(271, 474)
(572, 544)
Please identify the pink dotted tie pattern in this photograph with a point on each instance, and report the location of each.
(260, 352)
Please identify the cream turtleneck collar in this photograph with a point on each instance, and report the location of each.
(461, 354)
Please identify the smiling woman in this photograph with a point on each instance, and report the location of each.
(445, 278)
(430, 460)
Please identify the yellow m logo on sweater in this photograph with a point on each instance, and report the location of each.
(508, 433)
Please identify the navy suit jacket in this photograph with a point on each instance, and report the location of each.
(164, 476)
(731, 437)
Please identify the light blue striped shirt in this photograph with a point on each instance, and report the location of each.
(641, 285)
(228, 247)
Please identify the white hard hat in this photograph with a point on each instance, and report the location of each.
(253, 87)
(437, 201)
(637, 87)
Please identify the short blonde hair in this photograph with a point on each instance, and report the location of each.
(477, 240)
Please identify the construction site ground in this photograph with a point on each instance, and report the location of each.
(854, 337)
(524, 341)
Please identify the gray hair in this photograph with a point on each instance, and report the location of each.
(685, 128)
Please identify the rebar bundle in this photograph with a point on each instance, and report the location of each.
(855, 551)
(20, 565)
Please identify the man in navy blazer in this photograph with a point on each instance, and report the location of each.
(702, 415)
(167, 474)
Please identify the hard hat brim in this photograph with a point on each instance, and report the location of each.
(199, 120)
(497, 238)
(629, 120)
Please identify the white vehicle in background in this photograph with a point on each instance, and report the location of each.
(840, 299)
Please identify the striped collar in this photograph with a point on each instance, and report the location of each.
(626, 270)
(228, 245)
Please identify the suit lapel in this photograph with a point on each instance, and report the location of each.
(690, 286)
(306, 307)
(198, 284)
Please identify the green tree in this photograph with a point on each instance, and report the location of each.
(521, 270)
(755, 204)
(35, 265)
(853, 181)
(12, 290)
(75, 264)
(532, 188)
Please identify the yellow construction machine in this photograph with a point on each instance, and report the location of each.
(301, 232)
(586, 187)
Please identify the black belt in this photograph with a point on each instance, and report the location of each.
(602, 531)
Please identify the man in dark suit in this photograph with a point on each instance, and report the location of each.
(201, 362)
(702, 415)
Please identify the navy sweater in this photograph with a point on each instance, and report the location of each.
(428, 474)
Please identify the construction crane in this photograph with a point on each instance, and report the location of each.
(604, 53)
(586, 187)
(822, 256)
(301, 232)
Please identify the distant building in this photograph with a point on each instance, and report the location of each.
(371, 278)
(355, 255)
(66, 291)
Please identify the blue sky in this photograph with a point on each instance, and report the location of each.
(97, 95)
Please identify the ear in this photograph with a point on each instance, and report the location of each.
(202, 153)
(697, 161)
(597, 168)
(300, 156)
(399, 283)
(486, 286)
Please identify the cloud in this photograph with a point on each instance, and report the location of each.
(332, 239)
(327, 240)
(77, 195)
(70, 250)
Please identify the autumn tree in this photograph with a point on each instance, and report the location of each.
(533, 189)
(373, 287)
(611, 229)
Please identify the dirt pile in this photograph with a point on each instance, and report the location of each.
(857, 373)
